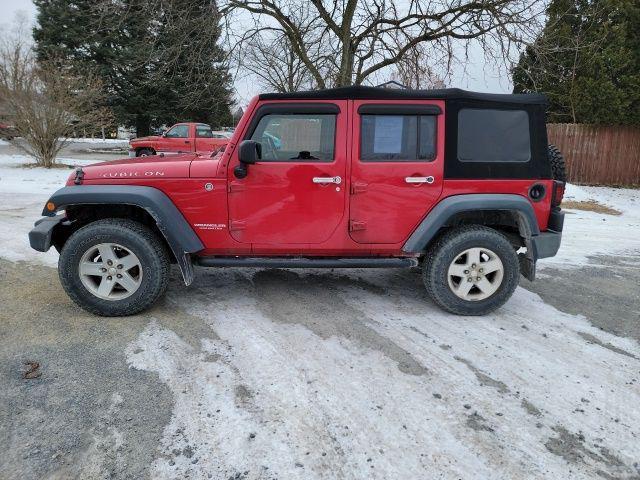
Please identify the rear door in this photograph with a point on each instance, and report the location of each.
(397, 167)
(295, 194)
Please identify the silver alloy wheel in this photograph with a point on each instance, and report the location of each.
(475, 274)
(110, 271)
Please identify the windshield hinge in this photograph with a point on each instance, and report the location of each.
(355, 225)
(79, 176)
(358, 187)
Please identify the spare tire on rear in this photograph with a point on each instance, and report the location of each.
(556, 160)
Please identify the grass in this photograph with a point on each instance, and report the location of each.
(590, 206)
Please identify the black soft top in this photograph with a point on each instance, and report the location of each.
(376, 93)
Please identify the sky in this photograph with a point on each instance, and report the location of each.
(478, 75)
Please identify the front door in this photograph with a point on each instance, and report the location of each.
(176, 139)
(295, 194)
(397, 166)
(208, 141)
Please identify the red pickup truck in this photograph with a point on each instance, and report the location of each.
(181, 138)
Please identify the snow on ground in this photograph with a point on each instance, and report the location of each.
(325, 376)
(111, 141)
(4, 143)
(587, 233)
(23, 193)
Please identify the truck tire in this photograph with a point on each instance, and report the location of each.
(471, 270)
(556, 160)
(145, 152)
(133, 276)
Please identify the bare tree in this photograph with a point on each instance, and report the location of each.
(46, 103)
(272, 60)
(346, 42)
(420, 68)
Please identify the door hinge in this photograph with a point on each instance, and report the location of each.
(358, 187)
(355, 225)
(236, 187)
(237, 225)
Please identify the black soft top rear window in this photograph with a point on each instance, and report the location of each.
(491, 135)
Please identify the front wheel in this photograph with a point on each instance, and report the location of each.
(114, 267)
(145, 152)
(471, 270)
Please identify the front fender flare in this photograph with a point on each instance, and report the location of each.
(181, 238)
(448, 207)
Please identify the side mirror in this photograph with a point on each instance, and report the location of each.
(164, 134)
(250, 152)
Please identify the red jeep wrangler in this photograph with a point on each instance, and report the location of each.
(461, 184)
(181, 138)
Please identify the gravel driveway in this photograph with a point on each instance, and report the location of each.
(303, 374)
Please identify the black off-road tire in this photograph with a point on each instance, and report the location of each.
(139, 239)
(145, 152)
(556, 160)
(447, 248)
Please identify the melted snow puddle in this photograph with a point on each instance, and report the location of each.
(274, 393)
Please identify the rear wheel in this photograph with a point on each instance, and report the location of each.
(471, 270)
(114, 267)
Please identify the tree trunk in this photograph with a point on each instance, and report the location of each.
(143, 125)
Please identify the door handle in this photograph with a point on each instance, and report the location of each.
(428, 179)
(337, 180)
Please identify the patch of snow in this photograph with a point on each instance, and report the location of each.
(111, 141)
(269, 394)
(587, 234)
(4, 143)
(23, 193)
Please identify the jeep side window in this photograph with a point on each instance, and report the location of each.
(290, 137)
(179, 131)
(204, 131)
(397, 138)
(486, 135)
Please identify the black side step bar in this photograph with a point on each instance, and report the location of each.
(297, 262)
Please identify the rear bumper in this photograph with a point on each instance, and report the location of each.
(546, 244)
(41, 234)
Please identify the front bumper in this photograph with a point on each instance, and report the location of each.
(42, 233)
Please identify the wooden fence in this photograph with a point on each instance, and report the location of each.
(599, 155)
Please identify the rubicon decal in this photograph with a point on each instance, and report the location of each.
(154, 173)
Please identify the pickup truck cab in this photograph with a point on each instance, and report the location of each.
(181, 138)
(462, 185)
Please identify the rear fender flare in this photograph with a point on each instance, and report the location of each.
(179, 235)
(450, 206)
